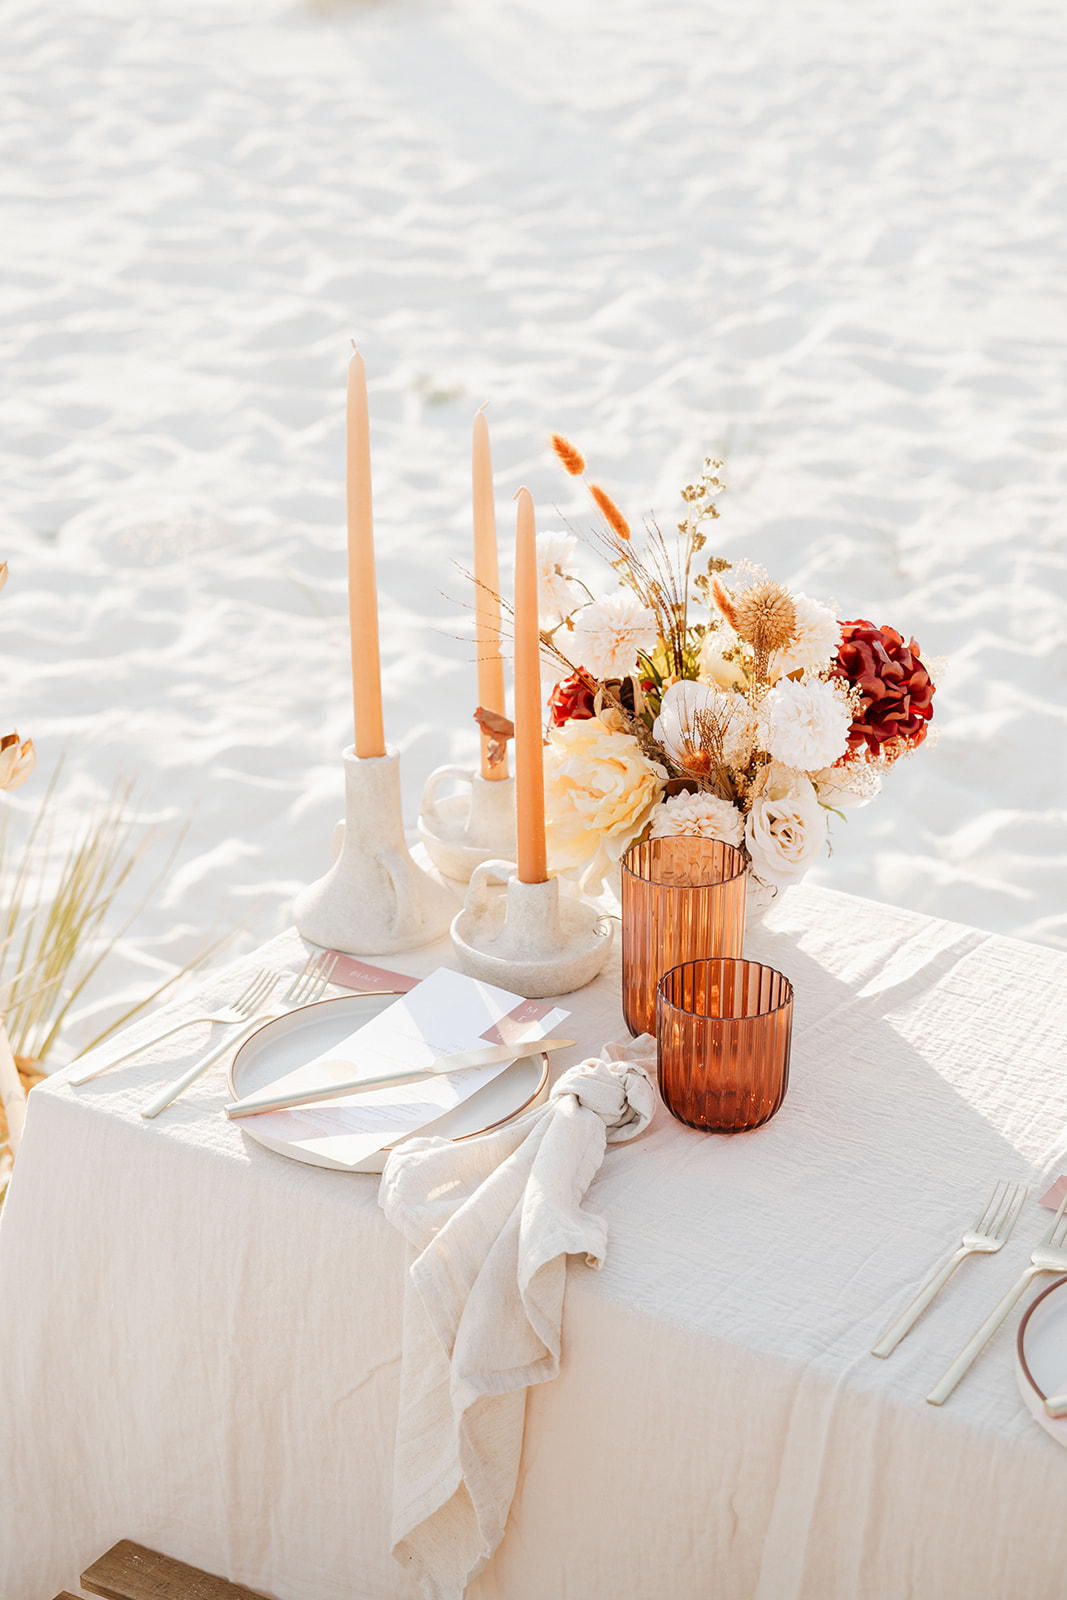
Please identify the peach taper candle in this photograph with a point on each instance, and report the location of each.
(487, 590)
(529, 761)
(362, 591)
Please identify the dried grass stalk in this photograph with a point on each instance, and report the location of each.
(612, 515)
(571, 458)
(52, 930)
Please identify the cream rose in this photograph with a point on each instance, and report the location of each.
(786, 829)
(599, 794)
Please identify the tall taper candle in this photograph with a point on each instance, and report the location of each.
(362, 592)
(486, 589)
(529, 760)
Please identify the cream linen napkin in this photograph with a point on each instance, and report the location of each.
(493, 1220)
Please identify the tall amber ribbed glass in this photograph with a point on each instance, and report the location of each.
(682, 898)
(724, 1029)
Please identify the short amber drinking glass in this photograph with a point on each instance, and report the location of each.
(723, 1030)
(682, 898)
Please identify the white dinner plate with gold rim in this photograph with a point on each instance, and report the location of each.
(285, 1043)
(1041, 1356)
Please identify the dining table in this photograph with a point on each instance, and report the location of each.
(200, 1339)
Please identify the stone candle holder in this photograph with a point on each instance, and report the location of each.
(530, 939)
(375, 899)
(463, 830)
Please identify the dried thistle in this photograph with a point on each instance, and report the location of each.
(570, 456)
(766, 617)
(612, 515)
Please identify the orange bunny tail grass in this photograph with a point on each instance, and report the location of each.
(612, 515)
(725, 602)
(570, 456)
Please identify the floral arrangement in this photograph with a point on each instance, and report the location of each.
(692, 702)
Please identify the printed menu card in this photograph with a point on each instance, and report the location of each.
(445, 1013)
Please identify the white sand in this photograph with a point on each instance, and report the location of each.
(823, 239)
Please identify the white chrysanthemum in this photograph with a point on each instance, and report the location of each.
(807, 723)
(713, 668)
(815, 642)
(556, 597)
(855, 784)
(704, 816)
(609, 634)
(786, 829)
(677, 728)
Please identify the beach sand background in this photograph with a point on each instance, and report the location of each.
(823, 241)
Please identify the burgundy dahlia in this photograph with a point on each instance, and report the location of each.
(572, 698)
(897, 690)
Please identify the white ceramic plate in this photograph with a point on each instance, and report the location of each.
(1041, 1356)
(287, 1042)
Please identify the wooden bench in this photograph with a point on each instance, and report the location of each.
(130, 1572)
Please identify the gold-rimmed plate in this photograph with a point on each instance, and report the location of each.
(1041, 1356)
(285, 1043)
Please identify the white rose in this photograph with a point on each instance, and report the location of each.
(703, 816)
(808, 723)
(854, 784)
(785, 831)
(608, 635)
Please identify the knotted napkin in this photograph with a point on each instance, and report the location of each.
(492, 1221)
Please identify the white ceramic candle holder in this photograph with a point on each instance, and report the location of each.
(463, 830)
(530, 939)
(375, 899)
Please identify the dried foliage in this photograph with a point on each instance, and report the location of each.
(498, 730)
(54, 926)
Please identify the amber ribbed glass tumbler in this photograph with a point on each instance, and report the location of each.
(724, 1029)
(682, 898)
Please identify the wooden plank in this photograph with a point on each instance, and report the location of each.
(65, 1594)
(130, 1572)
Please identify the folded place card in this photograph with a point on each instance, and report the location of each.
(444, 1014)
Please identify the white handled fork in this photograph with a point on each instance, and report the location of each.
(991, 1229)
(1050, 1256)
(246, 1005)
(305, 989)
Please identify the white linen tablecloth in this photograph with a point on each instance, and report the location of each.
(200, 1340)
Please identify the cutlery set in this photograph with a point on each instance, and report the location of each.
(253, 1007)
(989, 1233)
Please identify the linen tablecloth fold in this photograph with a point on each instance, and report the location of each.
(492, 1221)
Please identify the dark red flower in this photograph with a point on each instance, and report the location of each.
(573, 698)
(897, 690)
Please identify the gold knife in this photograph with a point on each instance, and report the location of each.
(462, 1061)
